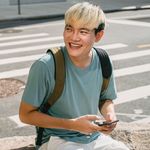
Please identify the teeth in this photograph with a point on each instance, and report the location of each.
(75, 45)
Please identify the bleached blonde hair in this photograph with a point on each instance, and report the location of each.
(86, 15)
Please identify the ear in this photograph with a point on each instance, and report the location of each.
(99, 35)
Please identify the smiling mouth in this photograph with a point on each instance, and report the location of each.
(75, 46)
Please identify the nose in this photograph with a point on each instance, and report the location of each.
(75, 36)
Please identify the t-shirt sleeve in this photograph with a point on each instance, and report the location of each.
(111, 91)
(37, 84)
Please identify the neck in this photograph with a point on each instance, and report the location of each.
(82, 62)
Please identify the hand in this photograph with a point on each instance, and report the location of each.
(85, 125)
(109, 128)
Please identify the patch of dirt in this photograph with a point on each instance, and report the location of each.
(9, 87)
(135, 136)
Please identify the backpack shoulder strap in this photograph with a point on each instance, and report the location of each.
(106, 67)
(106, 71)
(59, 63)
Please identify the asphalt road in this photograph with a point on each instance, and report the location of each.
(126, 40)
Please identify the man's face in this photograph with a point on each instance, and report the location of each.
(78, 40)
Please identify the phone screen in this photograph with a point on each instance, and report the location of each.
(105, 123)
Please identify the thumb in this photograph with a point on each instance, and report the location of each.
(109, 117)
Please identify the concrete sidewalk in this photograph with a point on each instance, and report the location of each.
(134, 137)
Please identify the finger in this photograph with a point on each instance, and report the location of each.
(92, 117)
(109, 117)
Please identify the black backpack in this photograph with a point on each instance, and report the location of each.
(60, 80)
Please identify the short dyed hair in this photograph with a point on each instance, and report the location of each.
(86, 15)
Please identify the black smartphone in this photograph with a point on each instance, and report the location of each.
(105, 123)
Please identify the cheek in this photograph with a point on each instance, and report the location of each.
(64, 35)
(89, 40)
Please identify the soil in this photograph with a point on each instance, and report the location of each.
(9, 87)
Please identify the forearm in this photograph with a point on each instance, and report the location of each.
(30, 115)
(108, 108)
(43, 120)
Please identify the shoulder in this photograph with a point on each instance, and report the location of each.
(45, 60)
(44, 65)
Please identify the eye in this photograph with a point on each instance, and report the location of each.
(68, 29)
(84, 32)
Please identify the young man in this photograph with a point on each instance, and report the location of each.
(70, 121)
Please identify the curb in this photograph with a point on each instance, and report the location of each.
(57, 16)
(61, 16)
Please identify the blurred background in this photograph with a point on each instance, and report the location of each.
(29, 27)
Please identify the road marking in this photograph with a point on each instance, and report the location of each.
(16, 119)
(129, 7)
(131, 115)
(31, 41)
(118, 72)
(145, 6)
(130, 22)
(29, 48)
(34, 57)
(132, 94)
(132, 70)
(60, 23)
(113, 57)
(135, 7)
(20, 59)
(113, 46)
(131, 17)
(46, 46)
(145, 120)
(14, 73)
(130, 55)
(143, 46)
(23, 36)
(138, 111)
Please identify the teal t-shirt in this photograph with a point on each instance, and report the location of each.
(80, 96)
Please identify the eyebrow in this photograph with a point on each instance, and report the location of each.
(68, 25)
(85, 29)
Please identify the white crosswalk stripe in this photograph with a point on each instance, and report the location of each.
(23, 36)
(34, 57)
(113, 57)
(118, 72)
(29, 48)
(16, 119)
(14, 45)
(31, 41)
(130, 22)
(136, 93)
(131, 55)
(45, 46)
(132, 70)
(14, 73)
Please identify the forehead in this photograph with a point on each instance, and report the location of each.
(79, 24)
(77, 27)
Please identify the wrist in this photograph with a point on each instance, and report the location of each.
(68, 124)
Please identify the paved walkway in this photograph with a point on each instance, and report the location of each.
(47, 10)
